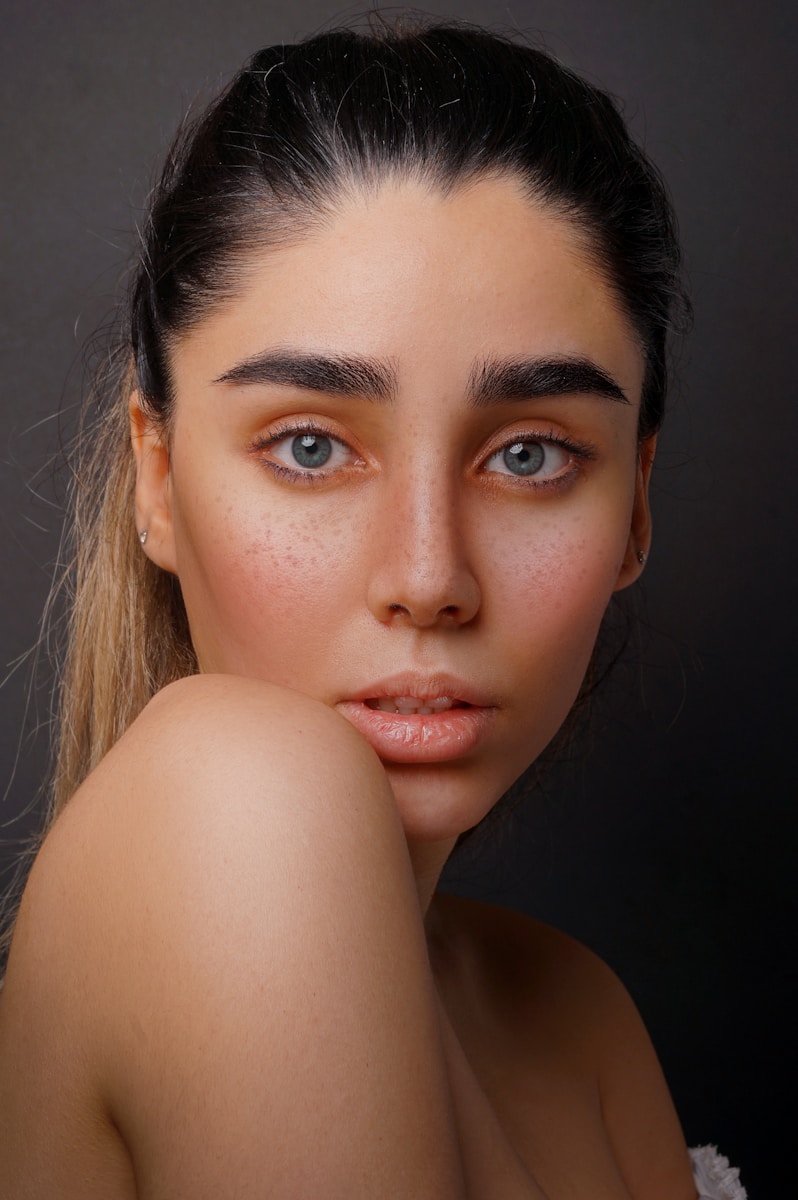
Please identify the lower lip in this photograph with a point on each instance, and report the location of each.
(419, 737)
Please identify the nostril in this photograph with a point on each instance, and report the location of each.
(421, 616)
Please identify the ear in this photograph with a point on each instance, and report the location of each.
(639, 543)
(153, 486)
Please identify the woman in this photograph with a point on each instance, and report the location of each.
(377, 459)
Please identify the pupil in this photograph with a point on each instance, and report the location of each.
(524, 458)
(311, 450)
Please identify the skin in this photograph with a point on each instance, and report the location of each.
(420, 559)
(389, 1041)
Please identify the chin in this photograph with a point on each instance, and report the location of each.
(439, 802)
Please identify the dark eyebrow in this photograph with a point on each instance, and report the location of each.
(344, 375)
(494, 381)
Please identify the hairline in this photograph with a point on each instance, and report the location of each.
(306, 216)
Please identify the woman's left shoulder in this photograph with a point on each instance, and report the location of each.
(538, 973)
(561, 1001)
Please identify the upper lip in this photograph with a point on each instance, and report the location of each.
(423, 687)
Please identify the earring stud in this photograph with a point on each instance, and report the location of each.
(641, 556)
(143, 536)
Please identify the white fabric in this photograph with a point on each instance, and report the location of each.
(714, 1178)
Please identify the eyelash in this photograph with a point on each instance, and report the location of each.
(581, 452)
(292, 430)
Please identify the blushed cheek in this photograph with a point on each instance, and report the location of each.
(561, 582)
(263, 588)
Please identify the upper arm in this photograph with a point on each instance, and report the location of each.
(219, 942)
(638, 1112)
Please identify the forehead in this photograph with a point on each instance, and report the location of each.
(429, 281)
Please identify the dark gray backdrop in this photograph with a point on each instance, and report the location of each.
(670, 851)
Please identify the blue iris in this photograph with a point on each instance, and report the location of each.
(524, 458)
(311, 449)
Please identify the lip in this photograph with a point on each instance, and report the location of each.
(421, 737)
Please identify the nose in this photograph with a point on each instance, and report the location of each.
(421, 571)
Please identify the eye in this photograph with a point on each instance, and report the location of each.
(305, 452)
(541, 458)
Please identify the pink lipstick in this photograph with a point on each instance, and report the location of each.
(419, 722)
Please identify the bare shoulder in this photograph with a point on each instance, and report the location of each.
(547, 984)
(204, 771)
(567, 1009)
(210, 748)
(144, 913)
(193, 787)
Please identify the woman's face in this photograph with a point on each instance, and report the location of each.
(403, 475)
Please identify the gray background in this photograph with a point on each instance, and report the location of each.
(670, 849)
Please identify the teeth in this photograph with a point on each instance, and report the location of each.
(409, 706)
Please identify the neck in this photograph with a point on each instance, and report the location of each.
(428, 860)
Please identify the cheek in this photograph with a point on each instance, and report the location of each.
(550, 608)
(556, 580)
(258, 583)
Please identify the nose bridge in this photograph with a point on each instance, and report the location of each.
(423, 570)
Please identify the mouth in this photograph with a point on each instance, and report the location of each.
(410, 706)
(426, 722)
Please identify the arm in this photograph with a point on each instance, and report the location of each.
(638, 1111)
(220, 953)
